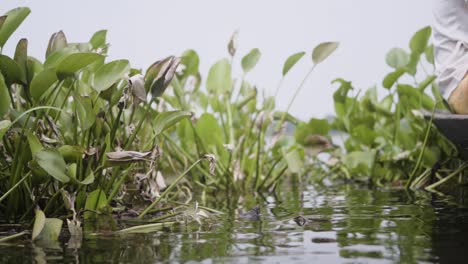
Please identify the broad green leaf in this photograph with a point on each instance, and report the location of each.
(110, 73)
(430, 54)
(412, 66)
(323, 51)
(420, 40)
(96, 201)
(34, 68)
(53, 163)
(34, 143)
(397, 58)
(219, 77)
(21, 55)
(5, 101)
(2, 20)
(39, 222)
(424, 84)
(51, 230)
(73, 63)
(168, 119)
(71, 153)
(291, 61)
(191, 61)
(250, 60)
(359, 161)
(11, 71)
(57, 56)
(42, 82)
(14, 18)
(209, 131)
(85, 111)
(57, 42)
(392, 78)
(293, 159)
(4, 126)
(98, 40)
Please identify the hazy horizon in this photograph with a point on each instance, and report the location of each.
(145, 31)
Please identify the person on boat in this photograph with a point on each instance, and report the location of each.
(450, 38)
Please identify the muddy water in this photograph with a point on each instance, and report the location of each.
(344, 224)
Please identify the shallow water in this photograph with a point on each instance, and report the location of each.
(346, 224)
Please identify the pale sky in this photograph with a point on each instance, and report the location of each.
(144, 31)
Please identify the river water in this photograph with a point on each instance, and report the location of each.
(343, 224)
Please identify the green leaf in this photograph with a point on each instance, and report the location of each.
(397, 58)
(71, 153)
(51, 230)
(209, 131)
(144, 229)
(53, 163)
(39, 222)
(57, 42)
(359, 161)
(98, 40)
(4, 126)
(96, 201)
(34, 143)
(219, 77)
(73, 63)
(85, 111)
(14, 19)
(392, 78)
(41, 83)
(293, 159)
(430, 54)
(21, 55)
(291, 61)
(323, 51)
(191, 61)
(168, 119)
(11, 71)
(34, 68)
(250, 60)
(110, 73)
(57, 56)
(420, 40)
(5, 101)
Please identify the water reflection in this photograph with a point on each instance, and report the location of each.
(340, 224)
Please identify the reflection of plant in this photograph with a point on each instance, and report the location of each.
(386, 138)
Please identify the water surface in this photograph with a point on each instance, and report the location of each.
(345, 224)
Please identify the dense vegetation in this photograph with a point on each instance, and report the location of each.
(86, 137)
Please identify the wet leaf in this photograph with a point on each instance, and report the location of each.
(250, 60)
(397, 58)
(110, 73)
(39, 222)
(13, 20)
(53, 163)
(291, 61)
(41, 83)
(323, 51)
(5, 101)
(51, 230)
(168, 119)
(57, 41)
(73, 63)
(219, 77)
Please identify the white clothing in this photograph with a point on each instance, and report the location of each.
(450, 36)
